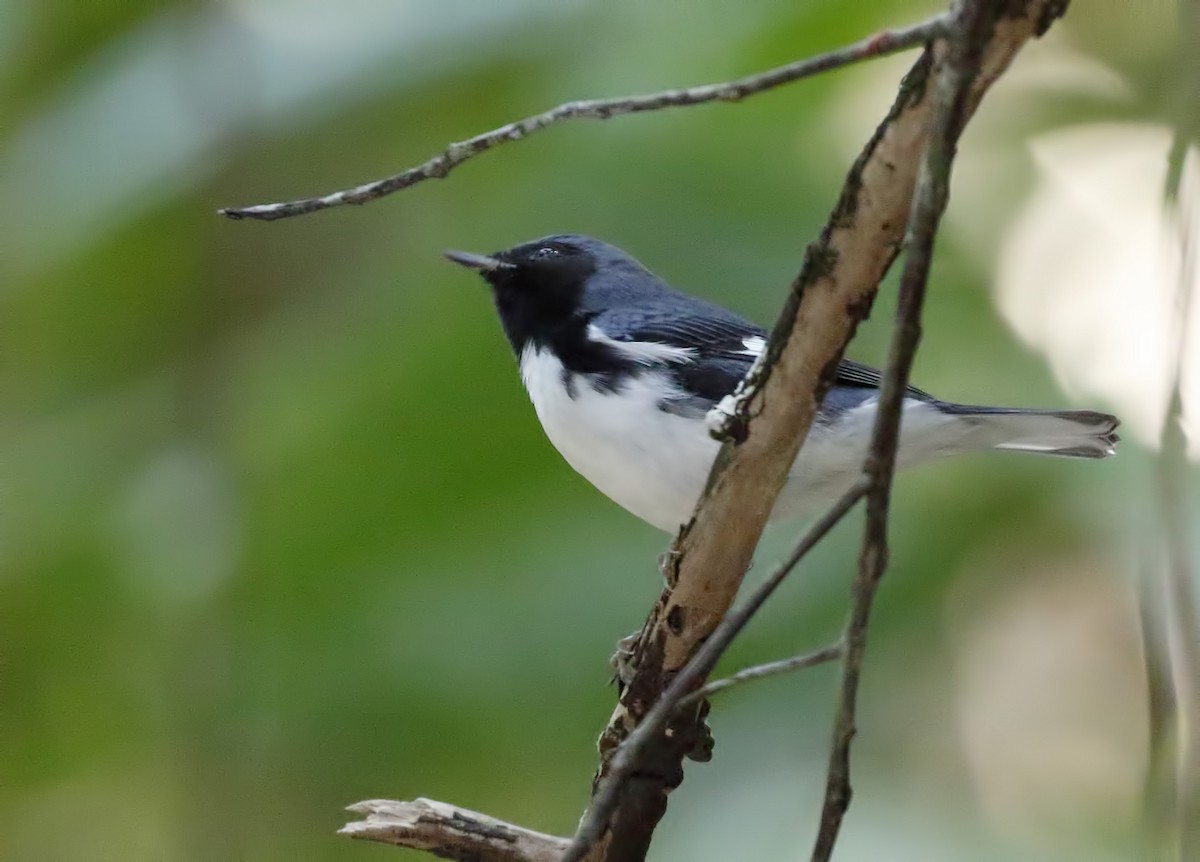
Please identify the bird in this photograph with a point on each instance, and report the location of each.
(623, 369)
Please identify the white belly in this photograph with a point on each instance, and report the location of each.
(652, 463)
(655, 464)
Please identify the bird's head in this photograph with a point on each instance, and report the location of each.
(546, 269)
(540, 286)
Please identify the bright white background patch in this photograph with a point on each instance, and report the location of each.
(1090, 271)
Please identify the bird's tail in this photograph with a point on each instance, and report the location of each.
(1065, 433)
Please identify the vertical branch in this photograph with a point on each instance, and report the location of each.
(1170, 626)
(1160, 795)
(968, 35)
(1169, 613)
(627, 756)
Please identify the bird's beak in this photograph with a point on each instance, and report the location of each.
(481, 262)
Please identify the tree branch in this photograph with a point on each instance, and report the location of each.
(768, 420)
(828, 653)
(969, 34)
(628, 756)
(886, 42)
(450, 833)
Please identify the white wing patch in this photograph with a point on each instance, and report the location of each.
(754, 345)
(643, 352)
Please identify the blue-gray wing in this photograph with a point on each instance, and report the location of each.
(855, 374)
(722, 348)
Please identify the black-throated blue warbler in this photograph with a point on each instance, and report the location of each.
(623, 370)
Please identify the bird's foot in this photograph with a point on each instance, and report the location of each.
(622, 660)
(665, 562)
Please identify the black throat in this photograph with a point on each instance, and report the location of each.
(555, 322)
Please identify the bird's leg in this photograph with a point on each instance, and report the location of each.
(665, 559)
(622, 660)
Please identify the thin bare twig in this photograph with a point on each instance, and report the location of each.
(886, 42)
(604, 800)
(828, 653)
(450, 832)
(968, 35)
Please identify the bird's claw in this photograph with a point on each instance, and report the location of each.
(665, 559)
(622, 660)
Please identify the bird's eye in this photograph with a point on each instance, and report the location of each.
(546, 251)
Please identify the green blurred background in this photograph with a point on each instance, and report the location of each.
(279, 530)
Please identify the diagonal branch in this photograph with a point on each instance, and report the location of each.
(449, 832)
(886, 42)
(831, 652)
(771, 417)
(627, 757)
(970, 33)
